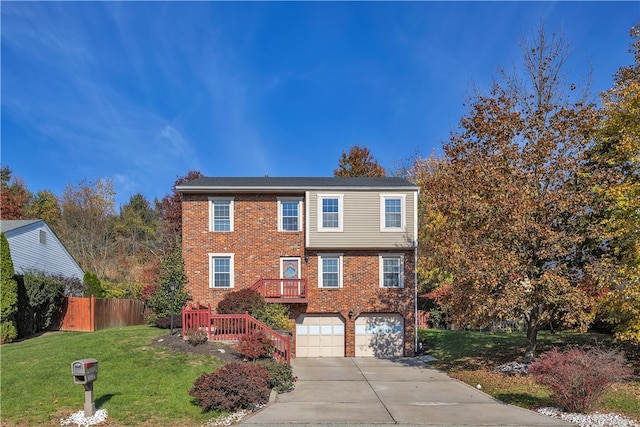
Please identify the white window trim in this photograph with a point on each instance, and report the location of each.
(282, 200)
(320, 270)
(403, 204)
(231, 270)
(340, 198)
(212, 201)
(381, 257)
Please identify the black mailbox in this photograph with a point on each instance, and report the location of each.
(84, 371)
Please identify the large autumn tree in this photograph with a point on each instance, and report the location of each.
(170, 209)
(86, 226)
(14, 195)
(616, 163)
(45, 205)
(503, 210)
(358, 162)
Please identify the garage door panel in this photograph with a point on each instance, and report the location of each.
(379, 335)
(319, 336)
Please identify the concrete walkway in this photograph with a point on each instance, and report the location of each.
(369, 391)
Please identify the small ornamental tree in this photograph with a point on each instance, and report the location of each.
(8, 294)
(255, 345)
(234, 386)
(579, 378)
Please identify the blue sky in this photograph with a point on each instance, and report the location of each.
(143, 92)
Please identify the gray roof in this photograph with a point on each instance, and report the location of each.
(293, 184)
(12, 224)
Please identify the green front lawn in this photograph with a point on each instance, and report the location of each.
(138, 384)
(473, 356)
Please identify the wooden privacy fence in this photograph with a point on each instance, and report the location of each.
(231, 327)
(93, 314)
(423, 319)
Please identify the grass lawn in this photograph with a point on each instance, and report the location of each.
(138, 384)
(473, 356)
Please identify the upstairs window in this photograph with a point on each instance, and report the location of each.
(221, 214)
(391, 271)
(392, 212)
(289, 214)
(43, 237)
(330, 212)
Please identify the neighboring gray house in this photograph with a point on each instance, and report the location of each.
(35, 247)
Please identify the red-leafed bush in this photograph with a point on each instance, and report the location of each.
(165, 322)
(240, 302)
(579, 378)
(255, 345)
(234, 386)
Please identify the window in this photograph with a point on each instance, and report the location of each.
(329, 212)
(330, 266)
(221, 214)
(43, 237)
(392, 212)
(391, 271)
(221, 271)
(289, 214)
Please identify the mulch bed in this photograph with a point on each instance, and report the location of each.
(222, 350)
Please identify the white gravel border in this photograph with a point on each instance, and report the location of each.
(78, 418)
(590, 420)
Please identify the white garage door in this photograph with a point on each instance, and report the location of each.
(319, 336)
(379, 335)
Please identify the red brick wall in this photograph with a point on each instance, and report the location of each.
(258, 246)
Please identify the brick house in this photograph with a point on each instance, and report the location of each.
(340, 252)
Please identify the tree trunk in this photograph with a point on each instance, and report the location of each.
(532, 336)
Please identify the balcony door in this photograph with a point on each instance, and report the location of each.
(290, 269)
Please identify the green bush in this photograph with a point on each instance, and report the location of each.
(276, 316)
(92, 286)
(8, 294)
(281, 377)
(240, 302)
(159, 301)
(158, 295)
(122, 290)
(8, 332)
(39, 297)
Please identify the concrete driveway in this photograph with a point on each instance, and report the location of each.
(370, 391)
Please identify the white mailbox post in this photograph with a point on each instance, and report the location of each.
(85, 372)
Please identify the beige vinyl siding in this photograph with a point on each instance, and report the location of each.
(361, 221)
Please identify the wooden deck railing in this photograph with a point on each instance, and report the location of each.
(282, 290)
(223, 327)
